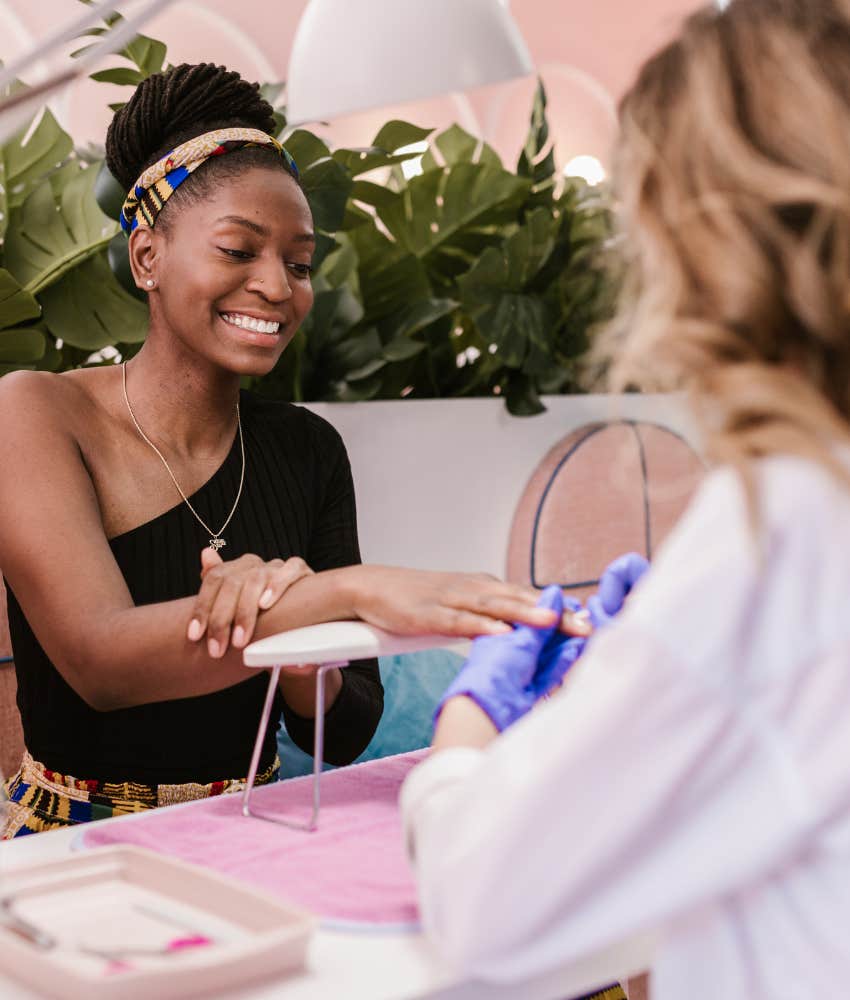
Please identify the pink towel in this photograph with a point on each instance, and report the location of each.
(353, 868)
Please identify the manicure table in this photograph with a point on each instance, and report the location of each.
(359, 963)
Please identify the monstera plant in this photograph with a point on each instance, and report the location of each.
(460, 277)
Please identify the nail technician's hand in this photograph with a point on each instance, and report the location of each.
(558, 655)
(615, 585)
(233, 593)
(502, 675)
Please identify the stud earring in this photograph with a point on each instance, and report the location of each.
(150, 282)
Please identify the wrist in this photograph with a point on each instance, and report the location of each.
(351, 586)
(463, 723)
(342, 583)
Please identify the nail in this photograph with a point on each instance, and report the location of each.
(215, 648)
(544, 616)
(266, 598)
(238, 639)
(195, 630)
(577, 623)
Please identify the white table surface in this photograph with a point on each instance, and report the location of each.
(365, 965)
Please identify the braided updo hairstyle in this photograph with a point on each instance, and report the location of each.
(172, 107)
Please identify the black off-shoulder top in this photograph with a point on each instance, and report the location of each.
(297, 500)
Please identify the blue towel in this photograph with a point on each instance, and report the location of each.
(413, 685)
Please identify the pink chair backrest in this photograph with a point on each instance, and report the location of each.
(603, 490)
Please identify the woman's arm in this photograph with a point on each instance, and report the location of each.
(605, 813)
(354, 696)
(609, 810)
(55, 556)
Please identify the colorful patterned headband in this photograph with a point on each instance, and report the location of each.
(159, 182)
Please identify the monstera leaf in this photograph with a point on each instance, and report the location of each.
(496, 293)
(384, 151)
(439, 206)
(16, 305)
(495, 290)
(456, 145)
(44, 243)
(87, 308)
(20, 345)
(26, 159)
(390, 278)
(325, 182)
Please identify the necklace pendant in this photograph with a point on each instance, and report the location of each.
(217, 543)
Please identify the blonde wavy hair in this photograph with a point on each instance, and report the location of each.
(734, 176)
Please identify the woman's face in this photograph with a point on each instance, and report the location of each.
(232, 272)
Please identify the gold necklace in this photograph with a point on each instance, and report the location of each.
(216, 541)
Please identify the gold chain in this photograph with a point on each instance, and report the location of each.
(216, 541)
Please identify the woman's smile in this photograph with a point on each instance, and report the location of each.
(258, 330)
(248, 322)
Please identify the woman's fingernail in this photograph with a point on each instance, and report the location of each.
(238, 638)
(215, 648)
(195, 630)
(266, 598)
(545, 615)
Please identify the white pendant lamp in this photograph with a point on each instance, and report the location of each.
(352, 55)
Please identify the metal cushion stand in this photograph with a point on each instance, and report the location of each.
(334, 644)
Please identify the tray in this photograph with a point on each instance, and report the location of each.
(124, 922)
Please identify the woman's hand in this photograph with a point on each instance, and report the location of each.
(411, 602)
(233, 593)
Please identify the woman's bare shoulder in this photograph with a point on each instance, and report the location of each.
(43, 407)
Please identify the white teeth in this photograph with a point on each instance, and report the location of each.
(250, 323)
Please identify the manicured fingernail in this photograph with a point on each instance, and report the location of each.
(215, 648)
(544, 615)
(266, 598)
(195, 630)
(238, 638)
(577, 623)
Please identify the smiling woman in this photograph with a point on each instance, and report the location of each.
(130, 485)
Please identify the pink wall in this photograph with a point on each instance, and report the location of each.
(586, 52)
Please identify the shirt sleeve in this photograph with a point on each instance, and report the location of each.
(645, 788)
(353, 718)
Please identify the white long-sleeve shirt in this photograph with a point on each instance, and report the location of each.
(692, 775)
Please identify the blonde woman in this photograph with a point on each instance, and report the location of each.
(692, 776)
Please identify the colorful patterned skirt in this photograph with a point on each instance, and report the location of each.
(39, 799)
(609, 993)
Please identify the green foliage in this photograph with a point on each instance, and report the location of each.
(465, 278)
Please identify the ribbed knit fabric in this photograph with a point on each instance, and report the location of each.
(298, 500)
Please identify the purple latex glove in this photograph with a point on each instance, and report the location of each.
(614, 586)
(503, 675)
(555, 660)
